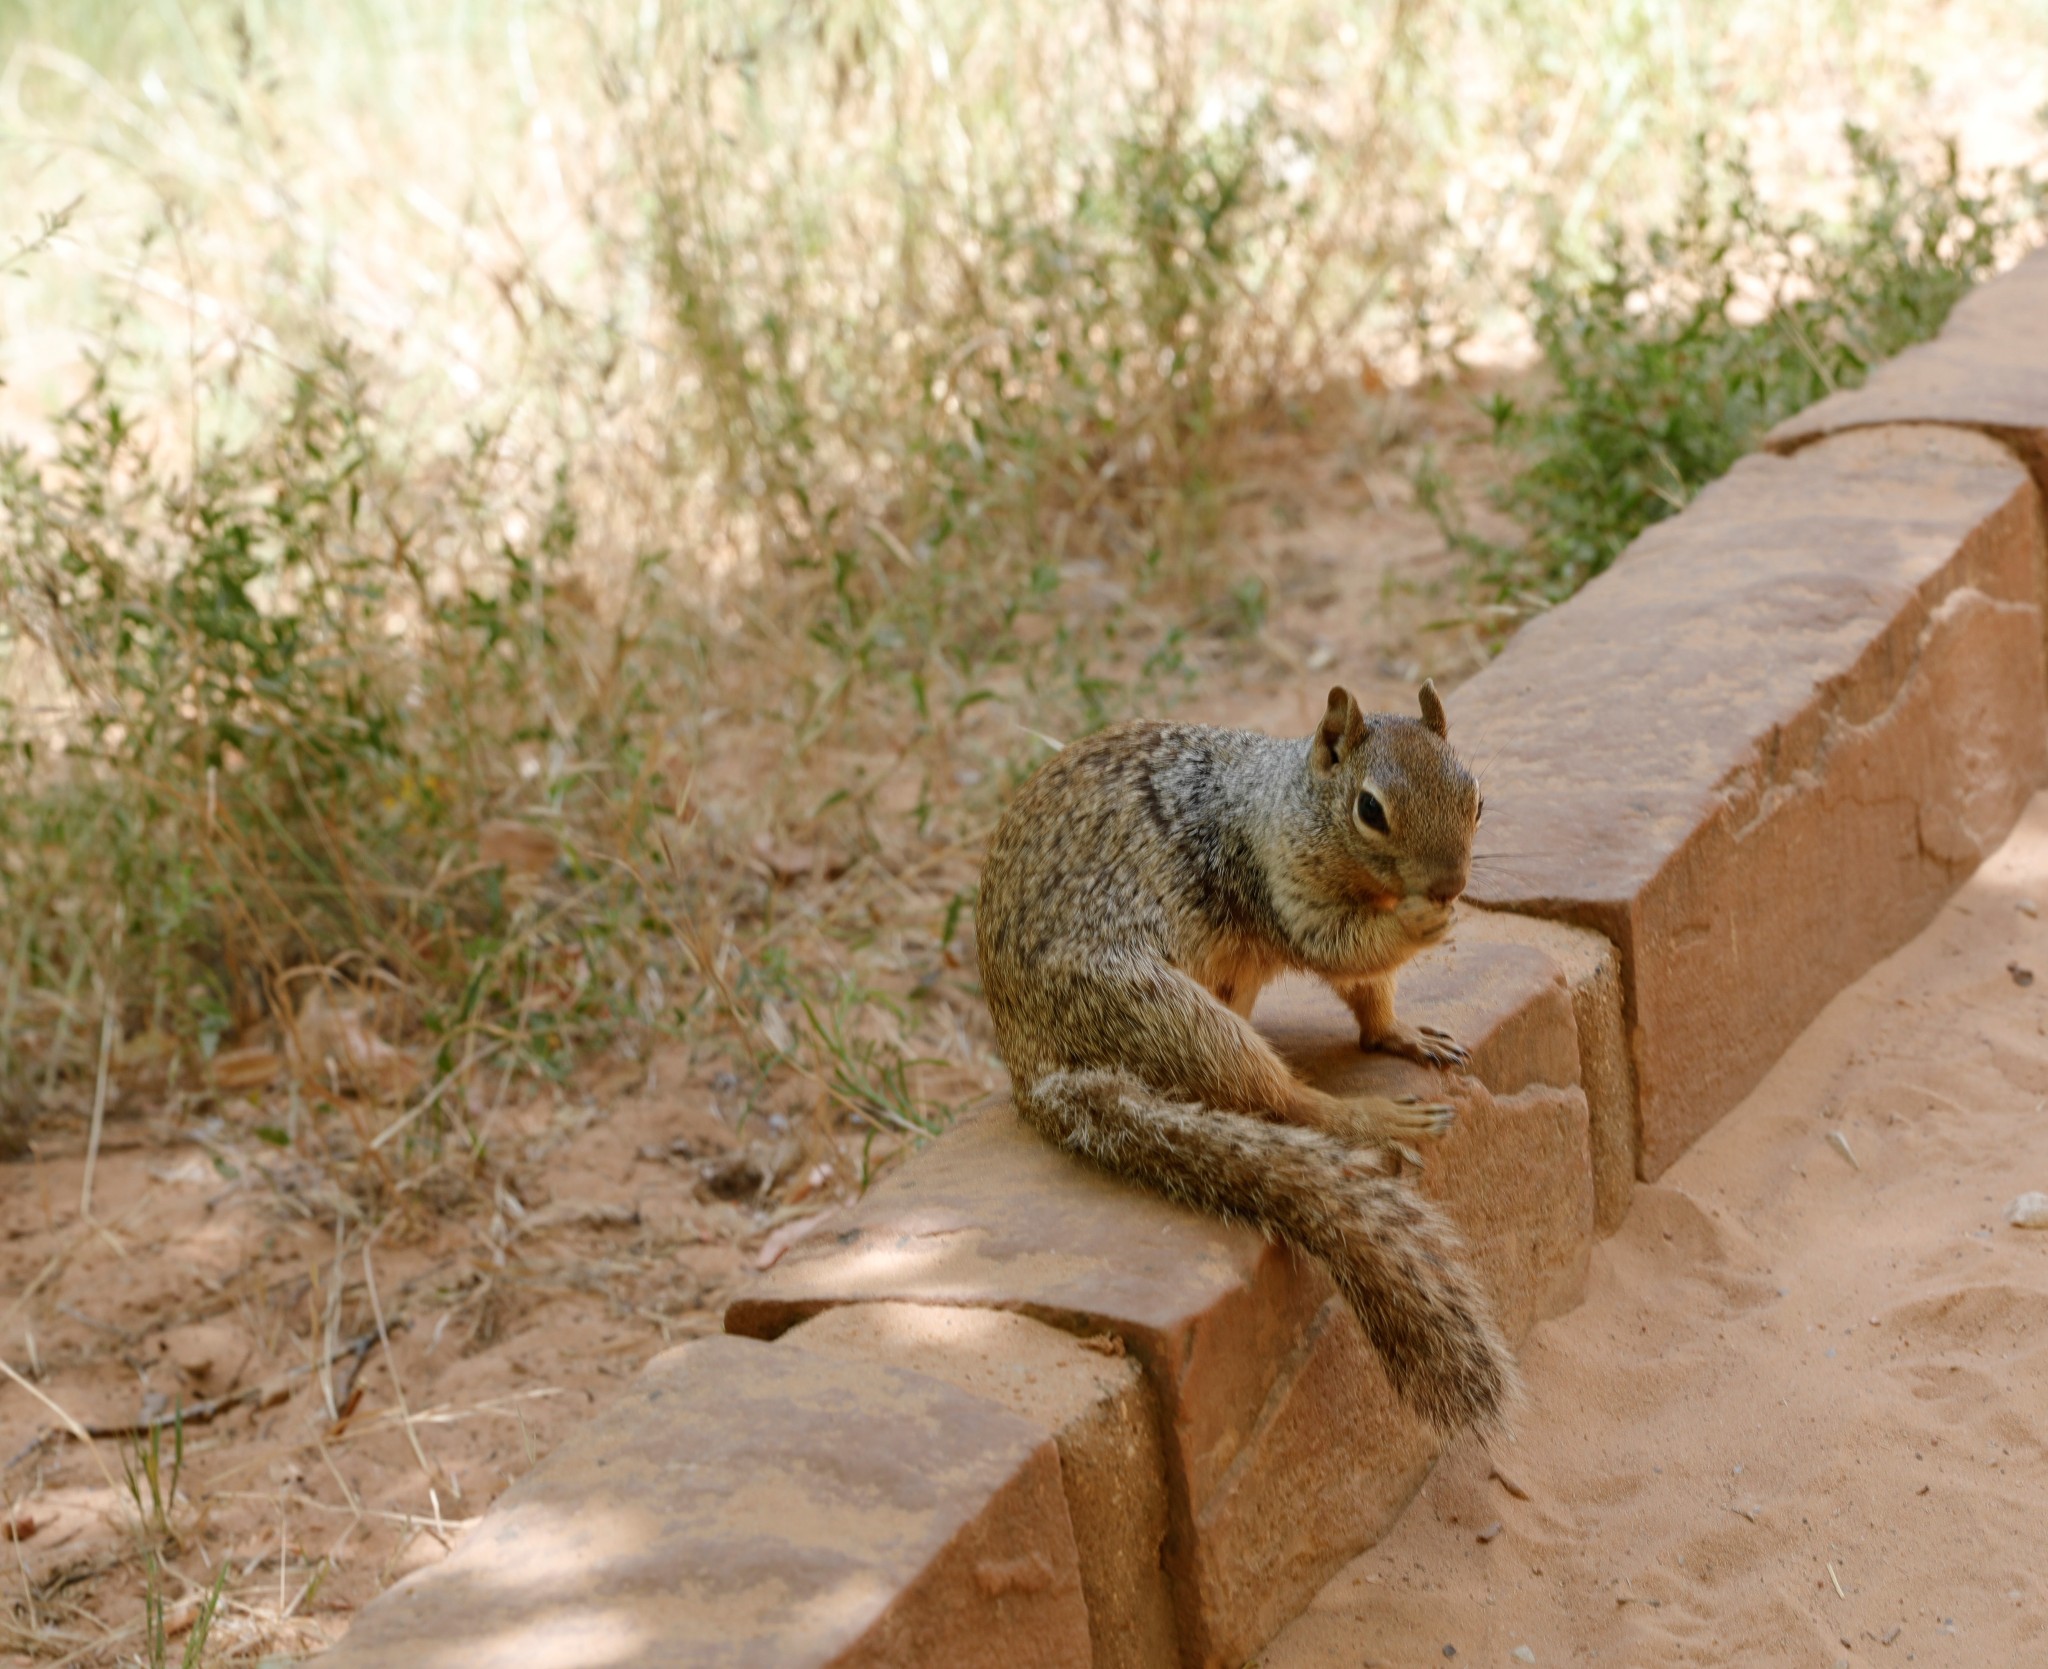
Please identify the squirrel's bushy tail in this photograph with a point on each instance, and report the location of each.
(1392, 1254)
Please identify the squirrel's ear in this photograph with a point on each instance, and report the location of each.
(1433, 713)
(1342, 729)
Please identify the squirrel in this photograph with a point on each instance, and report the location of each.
(1140, 889)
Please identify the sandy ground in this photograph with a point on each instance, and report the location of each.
(1802, 1416)
(359, 1433)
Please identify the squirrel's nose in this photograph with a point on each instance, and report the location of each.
(1446, 892)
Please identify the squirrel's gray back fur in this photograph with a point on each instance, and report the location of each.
(1140, 888)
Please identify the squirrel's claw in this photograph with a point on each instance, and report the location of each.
(1448, 1051)
(1411, 1117)
(1424, 1044)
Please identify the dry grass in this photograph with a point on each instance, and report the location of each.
(572, 519)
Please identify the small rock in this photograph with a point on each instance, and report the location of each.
(1491, 1531)
(1450, 1651)
(2026, 907)
(2029, 1211)
(1522, 1654)
(2020, 976)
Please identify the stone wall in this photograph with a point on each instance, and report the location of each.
(1015, 1414)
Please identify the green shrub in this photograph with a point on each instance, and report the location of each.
(1672, 352)
(287, 687)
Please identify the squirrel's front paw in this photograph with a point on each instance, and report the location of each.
(1424, 1044)
(1383, 1122)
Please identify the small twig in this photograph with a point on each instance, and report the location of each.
(263, 1395)
(28, 1588)
(391, 1361)
(99, 1098)
(1837, 1581)
(69, 1424)
(319, 1572)
(354, 1501)
(35, 1445)
(330, 1324)
(433, 1095)
(358, 1357)
(1507, 1483)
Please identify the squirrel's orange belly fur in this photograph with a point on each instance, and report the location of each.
(1235, 974)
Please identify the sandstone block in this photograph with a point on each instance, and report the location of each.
(1285, 1450)
(1988, 369)
(1592, 973)
(1758, 752)
(759, 1507)
(1099, 1409)
(991, 1216)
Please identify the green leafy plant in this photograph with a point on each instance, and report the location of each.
(156, 1628)
(1672, 352)
(294, 681)
(152, 1480)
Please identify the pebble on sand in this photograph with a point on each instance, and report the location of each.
(2029, 1211)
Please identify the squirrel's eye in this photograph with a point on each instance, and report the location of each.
(1371, 813)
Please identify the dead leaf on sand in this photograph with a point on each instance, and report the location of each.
(239, 1071)
(517, 848)
(580, 1214)
(334, 1033)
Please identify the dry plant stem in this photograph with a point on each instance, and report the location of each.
(28, 1588)
(460, 1071)
(391, 1362)
(99, 1100)
(63, 1034)
(109, 1638)
(355, 1505)
(15, 970)
(72, 1426)
(262, 1395)
(62, 1256)
(329, 1324)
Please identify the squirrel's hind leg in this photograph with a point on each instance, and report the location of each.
(1172, 1035)
(1392, 1255)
